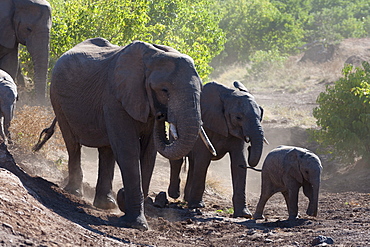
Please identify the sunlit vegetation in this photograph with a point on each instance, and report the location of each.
(343, 114)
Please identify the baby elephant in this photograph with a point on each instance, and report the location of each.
(8, 97)
(285, 170)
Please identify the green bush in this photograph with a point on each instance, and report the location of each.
(262, 62)
(188, 26)
(343, 114)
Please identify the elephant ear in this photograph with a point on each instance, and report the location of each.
(7, 32)
(166, 48)
(213, 109)
(129, 81)
(240, 86)
(292, 162)
(261, 109)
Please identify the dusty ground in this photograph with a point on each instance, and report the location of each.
(35, 211)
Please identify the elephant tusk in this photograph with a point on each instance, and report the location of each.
(265, 141)
(207, 142)
(173, 131)
(247, 139)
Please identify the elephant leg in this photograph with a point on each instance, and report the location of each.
(103, 195)
(267, 190)
(286, 198)
(147, 161)
(293, 202)
(174, 187)
(2, 127)
(75, 176)
(9, 62)
(198, 182)
(124, 138)
(239, 179)
(189, 178)
(7, 118)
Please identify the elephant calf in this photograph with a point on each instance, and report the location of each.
(285, 170)
(8, 97)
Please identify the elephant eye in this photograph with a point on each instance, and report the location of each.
(29, 29)
(165, 90)
(238, 118)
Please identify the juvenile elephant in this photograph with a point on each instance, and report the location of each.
(231, 119)
(25, 22)
(118, 99)
(285, 170)
(8, 98)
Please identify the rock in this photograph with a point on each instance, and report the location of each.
(160, 200)
(321, 240)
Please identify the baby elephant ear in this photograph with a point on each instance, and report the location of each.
(240, 86)
(292, 162)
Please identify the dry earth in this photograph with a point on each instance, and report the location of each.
(35, 211)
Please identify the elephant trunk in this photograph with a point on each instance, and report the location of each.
(184, 116)
(314, 201)
(39, 50)
(255, 150)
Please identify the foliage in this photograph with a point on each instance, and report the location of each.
(189, 26)
(252, 25)
(264, 61)
(343, 114)
(336, 20)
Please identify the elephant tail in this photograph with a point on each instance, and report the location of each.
(45, 136)
(253, 168)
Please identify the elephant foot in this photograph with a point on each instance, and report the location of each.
(73, 190)
(137, 222)
(173, 192)
(121, 199)
(258, 216)
(310, 213)
(245, 213)
(293, 217)
(106, 202)
(199, 204)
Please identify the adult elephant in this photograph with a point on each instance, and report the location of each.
(285, 170)
(25, 22)
(231, 119)
(118, 99)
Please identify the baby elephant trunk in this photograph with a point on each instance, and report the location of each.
(314, 201)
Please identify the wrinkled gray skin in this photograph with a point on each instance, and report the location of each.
(28, 23)
(8, 98)
(117, 99)
(230, 116)
(285, 170)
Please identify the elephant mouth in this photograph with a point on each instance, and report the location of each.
(170, 134)
(247, 139)
(160, 119)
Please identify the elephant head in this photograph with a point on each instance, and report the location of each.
(28, 23)
(159, 81)
(305, 167)
(234, 112)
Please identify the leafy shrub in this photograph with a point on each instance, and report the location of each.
(343, 114)
(264, 61)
